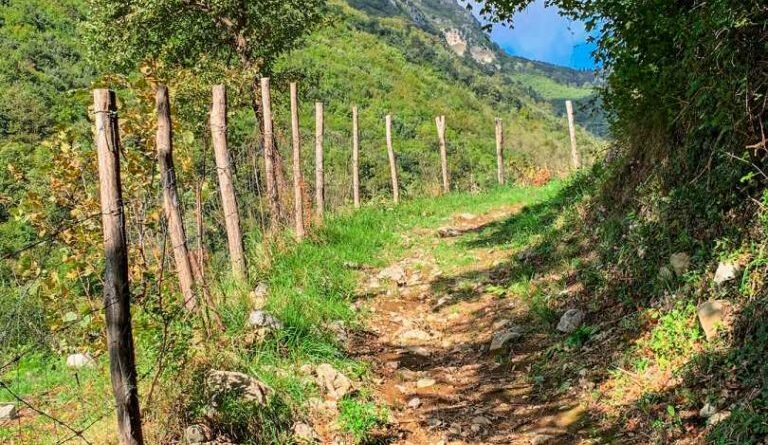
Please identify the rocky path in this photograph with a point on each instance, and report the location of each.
(451, 358)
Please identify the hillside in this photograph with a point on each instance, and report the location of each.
(460, 31)
(621, 303)
(53, 350)
(388, 65)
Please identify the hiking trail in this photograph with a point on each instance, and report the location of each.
(431, 324)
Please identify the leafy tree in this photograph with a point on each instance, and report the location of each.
(201, 34)
(691, 74)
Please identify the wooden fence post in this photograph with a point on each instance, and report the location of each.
(499, 151)
(199, 215)
(171, 196)
(575, 159)
(270, 165)
(392, 161)
(319, 172)
(226, 186)
(298, 201)
(440, 121)
(117, 296)
(355, 160)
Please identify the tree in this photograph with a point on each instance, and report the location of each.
(193, 33)
(207, 36)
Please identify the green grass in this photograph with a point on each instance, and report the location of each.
(549, 89)
(360, 417)
(310, 288)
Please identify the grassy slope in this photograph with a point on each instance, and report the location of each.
(549, 89)
(345, 65)
(641, 363)
(310, 287)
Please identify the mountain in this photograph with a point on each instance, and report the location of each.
(390, 58)
(465, 36)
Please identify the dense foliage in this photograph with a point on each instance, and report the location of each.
(686, 89)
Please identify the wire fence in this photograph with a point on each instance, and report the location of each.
(61, 408)
(60, 400)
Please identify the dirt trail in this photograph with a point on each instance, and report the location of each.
(428, 340)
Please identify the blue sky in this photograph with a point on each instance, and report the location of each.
(541, 33)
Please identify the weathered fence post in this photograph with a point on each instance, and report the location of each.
(117, 295)
(355, 160)
(575, 159)
(199, 216)
(319, 172)
(392, 161)
(171, 196)
(226, 186)
(440, 121)
(298, 201)
(499, 151)
(270, 166)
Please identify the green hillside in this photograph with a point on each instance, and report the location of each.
(51, 275)
(391, 66)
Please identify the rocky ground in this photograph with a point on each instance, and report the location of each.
(452, 358)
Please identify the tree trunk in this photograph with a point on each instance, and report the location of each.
(270, 164)
(575, 160)
(117, 296)
(171, 197)
(355, 160)
(226, 186)
(499, 151)
(392, 161)
(440, 121)
(319, 172)
(298, 204)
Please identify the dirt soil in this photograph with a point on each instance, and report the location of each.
(428, 341)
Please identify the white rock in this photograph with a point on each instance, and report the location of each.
(421, 351)
(243, 385)
(680, 262)
(197, 434)
(415, 335)
(707, 411)
(499, 324)
(352, 265)
(441, 302)
(425, 382)
(713, 316)
(665, 274)
(448, 232)
(304, 433)
(501, 339)
(79, 361)
(414, 403)
(718, 417)
(570, 321)
(335, 384)
(264, 320)
(393, 273)
(541, 439)
(726, 272)
(8, 412)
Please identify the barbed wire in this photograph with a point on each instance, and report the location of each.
(78, 432)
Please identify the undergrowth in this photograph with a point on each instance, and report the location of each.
(311, 288)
